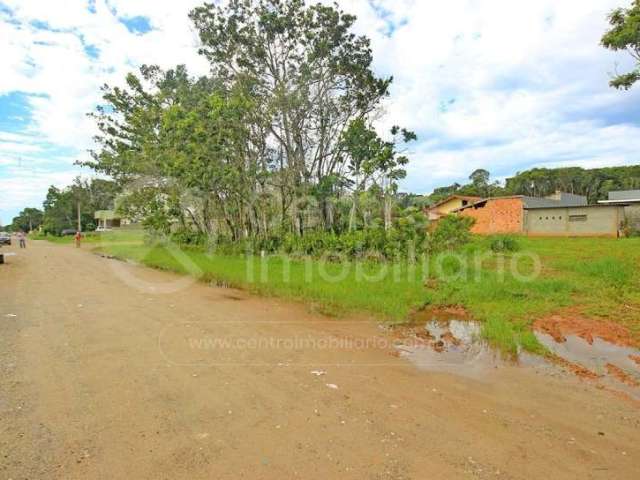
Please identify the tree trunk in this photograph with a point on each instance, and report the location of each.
(353, 212)
(387, 212)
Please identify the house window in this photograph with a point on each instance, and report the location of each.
(577, 218)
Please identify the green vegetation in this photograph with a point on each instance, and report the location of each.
(277, 141)
(499, 289)
(505, 243)
(451, 232)
(27, 220)
(625, 35)
(594, 183)
(60, 208)
(132, 236)
(268, 174)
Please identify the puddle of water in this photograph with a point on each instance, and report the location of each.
(594, 356)
(454, 346)
(599, 357)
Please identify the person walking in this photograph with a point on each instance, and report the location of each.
(22, 239)
(78, 237)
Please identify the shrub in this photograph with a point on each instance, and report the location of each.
(188, 237)
(408, 234)
(451, 232)
(505, 243)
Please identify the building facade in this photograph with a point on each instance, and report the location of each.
(449, 205)
(581, 221)
(496, 215)
(630, 200)
(560, 214)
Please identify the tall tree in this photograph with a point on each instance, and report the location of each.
(480, 181)
(310, 75)
(272, 142)
(27, 220)
(371, 159)
(624, 34)
(61, 205)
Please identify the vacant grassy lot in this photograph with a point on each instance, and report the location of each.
(598, 277)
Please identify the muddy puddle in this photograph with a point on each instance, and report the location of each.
(451, 345)
(444, 343)
(613, 365)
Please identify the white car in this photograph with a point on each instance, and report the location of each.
(5, 238)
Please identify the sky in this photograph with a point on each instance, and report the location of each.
(504, 85)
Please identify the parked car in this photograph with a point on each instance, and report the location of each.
(68, 231)
(5, 238)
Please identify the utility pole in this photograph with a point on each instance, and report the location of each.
(79, 222)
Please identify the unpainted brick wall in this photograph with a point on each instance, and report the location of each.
(499, 215)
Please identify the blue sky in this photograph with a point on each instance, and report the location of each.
(500, 84)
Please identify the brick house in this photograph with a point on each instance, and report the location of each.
(449, 205)
(560, 214)
(496, 215)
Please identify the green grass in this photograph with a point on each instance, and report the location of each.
(117, 236)
(599, 276)
(332, 287)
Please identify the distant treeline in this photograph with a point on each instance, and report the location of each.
(594, 183)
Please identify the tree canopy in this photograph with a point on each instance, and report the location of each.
(278, 138)
(624, 34)
(61, 205)
(594, 183)
(27, 220)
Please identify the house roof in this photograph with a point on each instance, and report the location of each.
(470, 198)
(105, 215)
(569, 198)
(576, 206)
(566, 200)
(623, 196)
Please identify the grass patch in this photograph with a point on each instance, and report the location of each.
(611, 270)
(506, 291)
(389, 291)
(135, 236)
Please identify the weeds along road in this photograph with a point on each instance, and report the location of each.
(101, 376)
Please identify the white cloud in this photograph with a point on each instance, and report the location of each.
(492, 83)
(27, 187)
(503, 85)
(52, 62)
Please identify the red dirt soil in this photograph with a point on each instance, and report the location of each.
(571, 322)
(577, 369)
(621, 375)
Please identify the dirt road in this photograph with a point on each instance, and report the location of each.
(102, 376)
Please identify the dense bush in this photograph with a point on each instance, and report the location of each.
(185, 236)
(407, 238)
(452, 232)
(504, 243)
